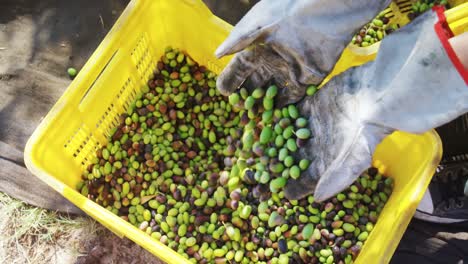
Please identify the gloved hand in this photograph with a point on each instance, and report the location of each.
(294, 42)
(412, 86)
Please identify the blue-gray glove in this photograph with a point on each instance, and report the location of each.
(296, 43)
(412, 86)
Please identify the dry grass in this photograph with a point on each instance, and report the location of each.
(34, 235)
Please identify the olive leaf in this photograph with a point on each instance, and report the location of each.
(146, 198)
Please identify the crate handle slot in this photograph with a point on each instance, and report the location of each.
(99, 76)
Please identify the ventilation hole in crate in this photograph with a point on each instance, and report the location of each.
(405, 8)
(80, 140)
(122, 90)
(87, 150)
(141, 57)
(114, 116)
(101, 120)
(70, 140)
(108, 120)
(126, 94)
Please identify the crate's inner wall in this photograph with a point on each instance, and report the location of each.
(86, 124)
(403, 157)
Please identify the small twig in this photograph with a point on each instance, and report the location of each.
(102, 21)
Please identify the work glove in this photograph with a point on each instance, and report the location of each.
(416, 83)
(296, 43)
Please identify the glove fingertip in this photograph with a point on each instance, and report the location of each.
(222, 50)
(233, 45)
(236, 72)
(223, 89)
(228, 82)
(300, 188)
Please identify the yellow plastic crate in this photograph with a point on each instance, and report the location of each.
(398, 12)
(457, 17)
(79, 123)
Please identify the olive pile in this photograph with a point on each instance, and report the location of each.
(271, 137)
(203, 174)
(422, 6)
(374, 31)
